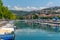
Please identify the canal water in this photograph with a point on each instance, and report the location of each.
(26, 31)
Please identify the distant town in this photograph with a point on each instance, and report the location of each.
(47, 13)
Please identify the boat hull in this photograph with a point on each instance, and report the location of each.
(7, 37)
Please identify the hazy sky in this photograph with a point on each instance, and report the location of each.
(30, 4)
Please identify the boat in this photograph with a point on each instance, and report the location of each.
(53, 25)
(7, 32)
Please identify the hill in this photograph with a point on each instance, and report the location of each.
(46, 10)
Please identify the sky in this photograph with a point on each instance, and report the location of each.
(30, 4)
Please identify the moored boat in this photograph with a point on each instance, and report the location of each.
(7, 32)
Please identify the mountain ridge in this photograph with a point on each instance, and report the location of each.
(48, 10)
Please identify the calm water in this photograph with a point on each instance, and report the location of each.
(35, 34)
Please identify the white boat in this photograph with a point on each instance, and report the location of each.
(7, 32)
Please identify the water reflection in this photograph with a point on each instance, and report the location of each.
(32, 25)
(36, 34)
(35, 31)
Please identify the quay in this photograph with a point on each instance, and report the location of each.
(45, 24)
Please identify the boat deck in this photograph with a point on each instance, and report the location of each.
(6, 30)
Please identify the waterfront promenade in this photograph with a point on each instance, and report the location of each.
(40, 21)
(43, 22)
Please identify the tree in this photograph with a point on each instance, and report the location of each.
(1, 3)
(35, 16)
(5, 13)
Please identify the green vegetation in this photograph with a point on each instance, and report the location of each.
(5, 13)
(46, 17)
(35, 16)
(32, 14)
(21, 17)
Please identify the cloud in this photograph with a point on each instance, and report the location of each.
(18, 8)
(8, 6)
(50, 4)
(28, 8)
(25, 8)
(34, 8)
(42, 7)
